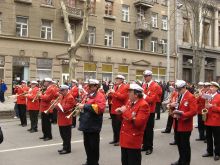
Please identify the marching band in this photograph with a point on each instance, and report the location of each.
(132, 109)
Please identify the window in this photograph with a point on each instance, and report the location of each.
(154, 19)
(155, 1)
(154, 44)
(164, 46)
(71, 3)
(159, 73)
(164, 22)
(22, 26)
(89, 71)
(46, 30)
(92, 6)
(108, 8)
(123, 70)
(165, 2)
(107, 72)
(91, 37)
(206, 33)
(66, 37)
(125, 13)
(140, 14)
(140, 44)
(48, 2)
(108, 37)
(139, 74)
(124, 40)
(44, 68)
(186, 28)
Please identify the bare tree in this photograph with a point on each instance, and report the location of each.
(197, 11)
(75, 44)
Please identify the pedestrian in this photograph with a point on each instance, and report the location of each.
(3, 89)
(185, 110)
(91, 118)
(134, 118)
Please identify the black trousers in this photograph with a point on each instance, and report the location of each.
(91, 144)
(109, 109)
(149, 133)
(34, 118)
(213, 134)
(116, 126)
(46, 125)
(130, 156)
(22, 114)
(2, 96)
(201, 127)
(169, 123)
(65, 133)
(74, 122)
(183, 143)
(158, 105)
(54, 116)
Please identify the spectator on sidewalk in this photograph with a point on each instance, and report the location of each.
(3, 89)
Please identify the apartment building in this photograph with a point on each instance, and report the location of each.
(181, 42)
(125, 37)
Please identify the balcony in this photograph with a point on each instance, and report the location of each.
(75, 14)
(24, 1)
(143, 28)
(144, 3)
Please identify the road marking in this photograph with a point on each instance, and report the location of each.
(40, 146)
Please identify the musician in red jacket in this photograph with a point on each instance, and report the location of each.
(46, 100)
(134, 118)
(21, 91)
(64, 107)
(33, 106)
(119, 98)
(213, 122)
(151, 92)
(185, 110)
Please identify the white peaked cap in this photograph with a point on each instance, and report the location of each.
(93, 81)
(180, 83)
(120, 77)
(207, 83)
(34, 82)
(215, 84)
(135, 87)
(48, 79)
(63, 87)
(147, 73)
(74, 81)
(23, 81)
(201, 83)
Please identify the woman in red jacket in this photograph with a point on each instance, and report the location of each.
(134, 118)
(213, 123)
(33, 106)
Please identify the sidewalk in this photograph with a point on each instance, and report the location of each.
(7, 108)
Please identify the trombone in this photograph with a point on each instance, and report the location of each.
(52, 106)
(76, 111)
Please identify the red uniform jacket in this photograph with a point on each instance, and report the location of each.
(188, 105)
(67, 102)
(31, 95)
(119, 97)
(75, 92)
(151, 93)
(213, 117)
(47, 98)
(159, 94)
(20, 90)
(132, 130)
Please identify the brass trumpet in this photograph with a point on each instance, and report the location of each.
(205, 111)
(52, 106)
(74, 113)
(37, 95)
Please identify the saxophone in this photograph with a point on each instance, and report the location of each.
(205, 111)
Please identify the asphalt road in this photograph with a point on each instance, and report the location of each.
(22, 148)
